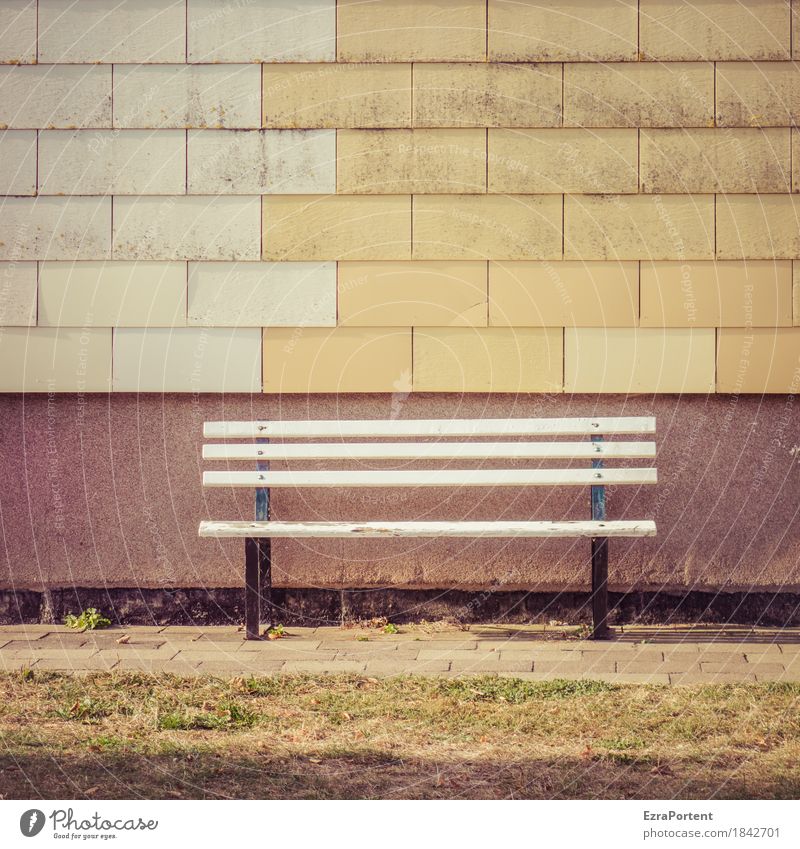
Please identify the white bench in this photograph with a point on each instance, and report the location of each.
(332, 440)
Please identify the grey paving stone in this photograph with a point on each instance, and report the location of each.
(330, 667)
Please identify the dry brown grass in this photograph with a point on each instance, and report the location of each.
(128, 736)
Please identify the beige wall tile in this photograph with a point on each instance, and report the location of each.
(487, 226)
(758, 227)
(758, 94)
(18, 32)
(638, 360)
(391, 294)
(326, 227)
(123, 162)
(672, 30)
(795, 30)
(55, 228)
(411, 161)
(67, 96)
(487, 95)
(563, 160)
(45, 359)
(492, 359)
(639, 227)
(758, 360)
(795, 156)
(553, 294)
(715, 160)
(639, 94)
(112, 294)
(341, 359)
(18, 162)
(562, 31)
(796, 294)
(17, 294)
(262, 294)
(199, 227)
(338, 96)
(187, 359)
(716, 294)
(409, 31)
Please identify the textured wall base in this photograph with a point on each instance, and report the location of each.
(310, 607)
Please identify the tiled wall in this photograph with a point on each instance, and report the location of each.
(396, 195)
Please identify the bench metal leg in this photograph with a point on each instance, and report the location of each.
(600, 631)
(265, 580)
(252, 589)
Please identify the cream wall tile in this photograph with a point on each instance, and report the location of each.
(112, 31)
(262, 294)
(758, 227)
(638, 360)
(759, 360)
(18, 162)
(716, 294)
(391, 294)
(341, 359)
(326, 227)
(68, 96)
(187, 359)
(411, 161)
(112, 294)
(491, 359)
(123, 162)
(487, 95)
(187, 96)
(199, 227)
(715, 160)
(639, 227)
(758, 94)
(46, 359)
(262, 161)
(17, 294)
(564, 160)
(18, 32)
(337, 96)
(487, 226)
(303, 31)
(562, 30)
(568, 293)
(55, 228)
(639, 94)
(410, 31)
(671, 30)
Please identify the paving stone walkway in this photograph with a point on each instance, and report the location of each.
(636, 654)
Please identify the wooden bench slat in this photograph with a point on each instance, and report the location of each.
(501, 529)
(427, 450)
(428, 477)
(430, 427)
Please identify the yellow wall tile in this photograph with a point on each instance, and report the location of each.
(563, 160)
(49, 359)
(637, 227)
(670, 30)
(341, 359)
(716, 294)
(329, 95)
(487, 95)
(715, 160)
(758, 94)
(758, 360)
(391, 294)
(586, 294)
(758, 227)
(638, 360)
(639, 94)
(409, 161)
(562, 30)
(487, 226)
(493, 359)
(320, 227)
(410, 31)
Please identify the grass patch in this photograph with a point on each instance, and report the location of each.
(161, 736)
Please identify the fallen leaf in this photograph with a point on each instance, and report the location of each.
(124, 639)
(91, 791)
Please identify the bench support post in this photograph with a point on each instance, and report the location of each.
(600, 630)
(252, 589)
